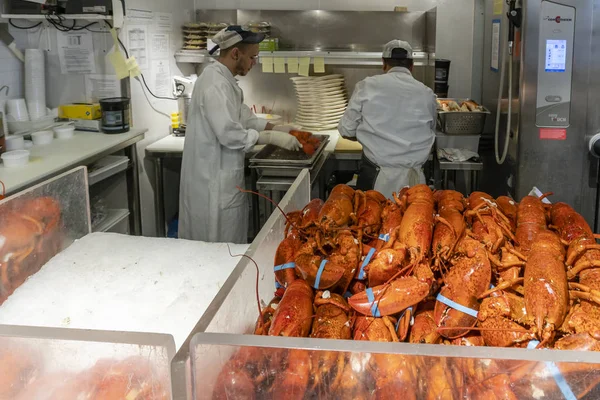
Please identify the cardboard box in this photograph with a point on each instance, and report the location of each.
(91, 125)
(80, 111)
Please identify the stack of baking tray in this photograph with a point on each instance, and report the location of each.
(275, 161)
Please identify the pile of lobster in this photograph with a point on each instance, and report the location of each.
(309, 142)
(30, 234)
(433, 268)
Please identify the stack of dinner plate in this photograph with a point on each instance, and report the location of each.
(194, 36)
(260, 27)
(321, 101)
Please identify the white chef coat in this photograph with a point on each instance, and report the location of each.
(221, 128)
(393, 117)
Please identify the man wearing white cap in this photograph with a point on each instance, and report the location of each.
(393, 117)
(221, 128)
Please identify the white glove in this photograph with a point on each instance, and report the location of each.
(279, 139)
(287, 128)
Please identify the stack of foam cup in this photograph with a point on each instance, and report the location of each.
(35, 83)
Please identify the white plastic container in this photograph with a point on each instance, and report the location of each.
(16, 158)
(15, 143)
(64, 132)
(42, 137)
(28, 144)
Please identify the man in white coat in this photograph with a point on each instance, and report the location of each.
(393, 117)
(221, 128)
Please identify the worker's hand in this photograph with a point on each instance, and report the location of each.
(287, 128)
(279, 139)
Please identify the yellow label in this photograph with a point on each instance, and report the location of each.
(304, 67)
(319, 65)
(267, 65)
(279, 64)
(119, 64)
(292, 65)
(498, 6)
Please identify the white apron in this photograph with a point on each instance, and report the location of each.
(390, 180)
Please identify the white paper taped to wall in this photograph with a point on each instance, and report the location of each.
(137, 44)
(76, 52)
(160, 73)
(100, 87)
(163, 21)
(160, 44)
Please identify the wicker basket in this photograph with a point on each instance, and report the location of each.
(462, 123)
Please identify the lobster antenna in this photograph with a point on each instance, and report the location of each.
(272, 202)
(480, 329)
(257, 277)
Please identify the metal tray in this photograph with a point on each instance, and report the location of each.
(273, 155)
(462, 122)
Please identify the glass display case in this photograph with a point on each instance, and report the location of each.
(228, 361)
(241, 311)
(38, 223)
(55, 363)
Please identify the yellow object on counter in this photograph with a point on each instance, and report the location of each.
(293, 65)
(279, 65)
(80, 111)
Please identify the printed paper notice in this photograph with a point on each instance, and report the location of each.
(160, 73)
(137, 45)
(139, 16)
(163, 21)
(160, 44)
(101, 87)
(304, 67)
(279, 65)
(76, 52)
(292, 65)
(267, 65)
(495, 61)
(319, 65)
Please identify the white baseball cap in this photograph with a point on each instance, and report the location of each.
(397, 44)
(233, 35)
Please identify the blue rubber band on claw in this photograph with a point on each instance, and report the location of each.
(402, 316)
(281, 267)
(560, 380)
(361, 274)
(374, 306)
(456, 306)
(319, 273)
(385, 238)
(278, 285)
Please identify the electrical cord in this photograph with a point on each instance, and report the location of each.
(23, 27)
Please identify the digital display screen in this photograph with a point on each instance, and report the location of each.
(556, 55)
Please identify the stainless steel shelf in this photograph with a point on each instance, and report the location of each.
(33, 17)
(111, 220)
(107, 167)
(331, 57)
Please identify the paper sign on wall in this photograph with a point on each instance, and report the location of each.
(267, 65)
(292, 65)
(137, 44)
(495, 61)
(139, 16)
(279, 65)
(304, 66)
(160, 44)
(163, 21)
(319, 65)
(101, 87)
(160, 73)
(76, 52)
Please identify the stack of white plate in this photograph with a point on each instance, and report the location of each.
(321, 101)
